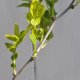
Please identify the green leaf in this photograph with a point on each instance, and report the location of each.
(40, 34)
(32, 20)
(12, 37)
(12, 49)
(24, 5)
(33, 39)
(47, 15)
(36, 21)
(8, 45)
(13, 65)
(37, 9)
(14, 56)
(50, 6)
(49, 3)
(16, 29)
(22, 34)
(29, 17)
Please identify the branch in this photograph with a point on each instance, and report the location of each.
(30, 60)
(77, 2)
(71, 6)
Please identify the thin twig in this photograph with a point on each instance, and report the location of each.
(40, 47)
(30, 60)
(34, 67)
(71, 6)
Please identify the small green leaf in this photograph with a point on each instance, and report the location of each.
(12, 37)
(33, 39)
(13, 65)
(37, 9)
(8, 45)
(29, 17)
(47, 14)
(40, 34)
(35, 22)
(21, 35)
(13, 49)
(16, 29)
(24, 32)
(24, 5)
(49, 3)
(14, 56)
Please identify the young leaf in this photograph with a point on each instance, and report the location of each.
(12, 49)
(33, 39)
(12, 37)
(16, 29)
(29, 17)
(8, 45)
(49, 3)
(24, 32)
(32, 20)
(13, 65)
(40, 34)
(14, 56)
(36, 21)
(37, 9)
(21, 35)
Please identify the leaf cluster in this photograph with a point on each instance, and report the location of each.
(40, 19)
